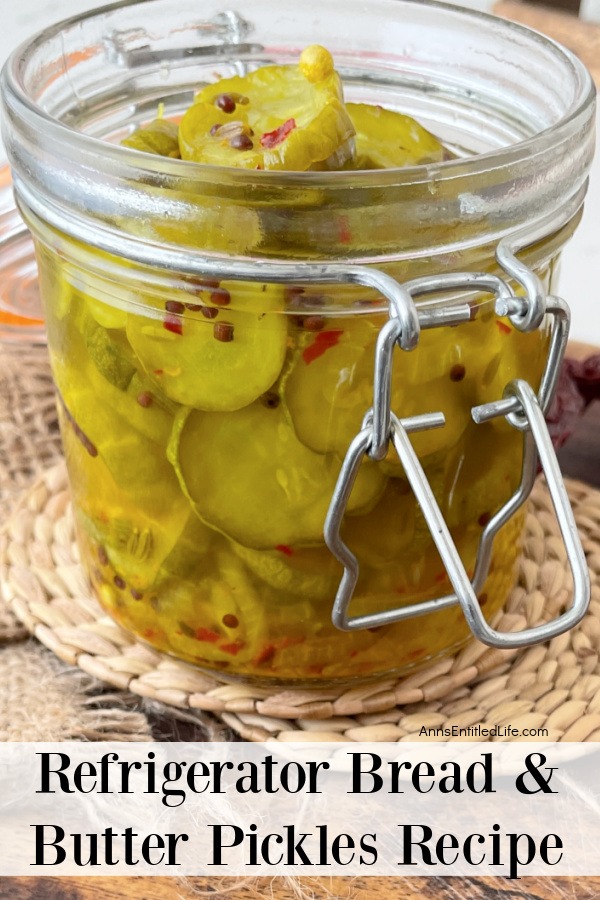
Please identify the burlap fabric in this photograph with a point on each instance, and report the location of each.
(41, 698)
(29, 438)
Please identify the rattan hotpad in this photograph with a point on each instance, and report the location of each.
(555, 686)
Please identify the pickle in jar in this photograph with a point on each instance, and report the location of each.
(386, 139)
(247, 475)
(278, 117)
(220, 352)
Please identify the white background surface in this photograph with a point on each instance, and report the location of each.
(580, 273)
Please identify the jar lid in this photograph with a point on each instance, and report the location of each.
(21, 315)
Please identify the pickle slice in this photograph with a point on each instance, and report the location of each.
(160, 137)
(386, 139)
(219, 618)
(310, 572)
(189, 556)
(110, 352)
(249, 477)
(278, 117)
(220, 363)
(329, 386)
(382, 534)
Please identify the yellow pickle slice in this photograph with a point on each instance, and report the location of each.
(386, 139)
(249, 476)
(160, 137)
(219, 352)
(278, 117)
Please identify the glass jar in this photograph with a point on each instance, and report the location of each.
(220, 338)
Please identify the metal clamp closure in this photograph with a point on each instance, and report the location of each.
(465, 590)
(522, 408)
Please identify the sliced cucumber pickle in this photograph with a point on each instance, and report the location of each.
(279, 117)
(330, 384)
(111, 354)
(160, 137)
(220, 363)
(382, 534)
(134, 542)
(188, 558)
(249, 476)
(386, 139)
(310, 572)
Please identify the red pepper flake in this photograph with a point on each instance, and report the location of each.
(158, 372)
(484, 518)
(205, 634)
(345, 234)
(172, 323)
(440, 577)
(266, 655)
(482, 599)
(503, 327)
(323, 341)
(233, 649)
(272, 139)
(415, 654)
(149, 633)
(286, 642)
(283, 548)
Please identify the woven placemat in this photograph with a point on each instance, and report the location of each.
(556, 685)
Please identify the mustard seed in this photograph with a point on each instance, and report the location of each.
(270, 399)
(241, 142)
(175, 306)
(457, 372)
(313, 323)
(145, 399)
(226, 103)
(220, 297)
(223, 331)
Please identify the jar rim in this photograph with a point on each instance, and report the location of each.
(528, 148)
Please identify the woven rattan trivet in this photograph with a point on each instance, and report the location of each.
(556, 686)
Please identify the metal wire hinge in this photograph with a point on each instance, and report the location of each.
(521, 407)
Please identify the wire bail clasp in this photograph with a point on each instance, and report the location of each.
(522, 408)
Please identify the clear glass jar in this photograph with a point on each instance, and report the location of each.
(213, 331)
